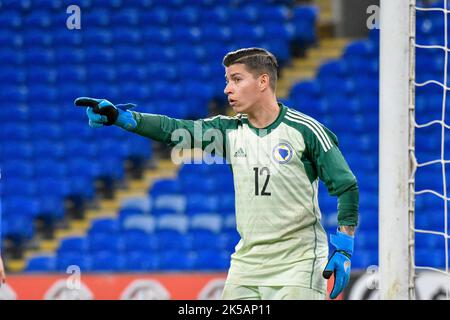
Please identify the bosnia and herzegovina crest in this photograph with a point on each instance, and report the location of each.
(282, 152)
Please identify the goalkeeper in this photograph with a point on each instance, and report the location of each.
(277, 155)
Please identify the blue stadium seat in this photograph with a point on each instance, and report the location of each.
(227, 202)
(77, 245)
(18, 205)
(10, 19)
(139, 4)
(65, 54)
(243, 31)
(13, 94)
(19, 187)
(45, 114)
(209, 222)
(199, 184)
(429, 241)
(173, 240)
(217, 14)
(38, 56)
(37, 19)
(104, 225)
(175, 202)
(138, 222)
(361, 259)
(367, 240)
(83, 167)
(9, 74)
(18, 227)
(53, 186)
(247, 15)
(42, 263)
(278, 14)
(128, 17)
(110, 242)
(333, 68)
(127, 71)
(158, 16)
(141, 204)
(47, 130)
(176, 260)
(304, 19)
(98, 17)
(17, 169)
(165, 186)
(133, 55)
(9, 57)
(49, 4)
(10, 40)
(211, 260)
(79, 148)
(228, 240)
(360, 49)
(142, 261)
(368, 220)
(197, 203)
(81, 186)
(277, 30)
(107, 262)
(173, 222)
(430, 258)
(51, 207)
(157, 35)
(229, 223)
(204, 239)
(188, 16)
(47, 149)
(137, 240)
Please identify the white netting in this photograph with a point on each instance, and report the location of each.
(428, 183)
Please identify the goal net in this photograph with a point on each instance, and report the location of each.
(414, 140)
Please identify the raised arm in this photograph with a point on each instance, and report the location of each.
(183, 133)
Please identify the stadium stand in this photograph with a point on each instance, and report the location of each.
(180, 223)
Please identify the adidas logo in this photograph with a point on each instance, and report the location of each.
(240, 153)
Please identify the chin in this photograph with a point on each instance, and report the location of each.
(239, 109)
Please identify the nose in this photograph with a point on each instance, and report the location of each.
(227, 89)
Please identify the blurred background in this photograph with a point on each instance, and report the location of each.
(113, 203)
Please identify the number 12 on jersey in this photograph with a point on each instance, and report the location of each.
(263, 172)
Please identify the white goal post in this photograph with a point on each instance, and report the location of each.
(396, 138)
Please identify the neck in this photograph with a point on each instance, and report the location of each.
(264, 114)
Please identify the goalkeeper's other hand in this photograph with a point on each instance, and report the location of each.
(339, 263)
(101, 112)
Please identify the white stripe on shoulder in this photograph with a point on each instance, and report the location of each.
(220, 117)
(313, 129)
(314, 123)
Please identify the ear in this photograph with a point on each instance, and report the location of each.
(264, 82)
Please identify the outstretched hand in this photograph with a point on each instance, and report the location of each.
(102, 112)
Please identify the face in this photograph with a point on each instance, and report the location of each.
(243, 89)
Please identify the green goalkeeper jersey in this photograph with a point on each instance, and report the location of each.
(276, 172)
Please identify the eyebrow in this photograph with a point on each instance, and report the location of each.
(233, 74)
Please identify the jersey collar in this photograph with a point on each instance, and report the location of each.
(265, 131)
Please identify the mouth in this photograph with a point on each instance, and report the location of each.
(232, 102)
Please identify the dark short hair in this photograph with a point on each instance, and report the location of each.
(257, 61)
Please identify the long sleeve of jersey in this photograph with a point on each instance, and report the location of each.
(203, 133)
(334, 171)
